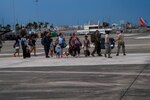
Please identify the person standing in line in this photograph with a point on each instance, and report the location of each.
(96, 37)
(52, 48)
(70, 49)
(86, 46)
(58, 50)
(61, 42)
(17, 47)
(32, 43)
(107, 44)
(24, 43)
(76, 45)
(46, 41)
(121, 43)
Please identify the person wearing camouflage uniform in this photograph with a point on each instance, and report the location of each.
(97, 48)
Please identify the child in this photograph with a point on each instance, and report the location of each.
(86, 46)
(51, 48)
(58, 51)
(32, 44)
(17, 47)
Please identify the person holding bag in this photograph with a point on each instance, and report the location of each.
(17, 47)
(76, 45)
(62, 43)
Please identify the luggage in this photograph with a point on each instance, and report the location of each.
(42, 41)
(70, 50)
(28, 55)
(86, 53)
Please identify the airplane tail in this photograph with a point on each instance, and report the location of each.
(142, 22)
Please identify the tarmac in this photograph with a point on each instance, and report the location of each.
(81, 78)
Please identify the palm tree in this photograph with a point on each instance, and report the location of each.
(41, 25)
(35, 25)
(46, 24)
(8, 27)
(52, 26)
(29, 26)
(17, 27)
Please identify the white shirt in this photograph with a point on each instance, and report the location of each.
(106, 38)
(60, 39)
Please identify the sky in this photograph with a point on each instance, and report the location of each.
(73, 12)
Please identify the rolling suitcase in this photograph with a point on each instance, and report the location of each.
(86, 53)
(28, 55)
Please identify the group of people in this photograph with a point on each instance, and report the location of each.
(57, 46)
(75, 45)
(28, 44)
(119, 39)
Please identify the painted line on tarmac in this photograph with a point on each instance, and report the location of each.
(69, 83)
(147, 37)
(75, 72)
(58, 84)
(12, 54)
(129, 45)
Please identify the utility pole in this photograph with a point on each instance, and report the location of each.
(3, 23)
(37, 10)
(14, 14)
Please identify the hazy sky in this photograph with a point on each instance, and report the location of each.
(72, 12)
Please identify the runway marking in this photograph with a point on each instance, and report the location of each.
(24, 91)
(69, 83)
(58, 84)
(74, 72)
(146, 37)
(134, 45)
(11, 54)
(128, 45)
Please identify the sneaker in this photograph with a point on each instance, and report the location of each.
(117, 54)
(124, 54)
(105, 55)
(110, 57)
(47, 56)
(100, 55)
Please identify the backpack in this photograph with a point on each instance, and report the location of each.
(22, 42)
(86, 53)
(77, 42)
(42, 41)
(16, 44)
(93, 37)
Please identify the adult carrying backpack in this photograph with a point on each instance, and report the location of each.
(42, 40)
(93, 37)
(23, 42)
